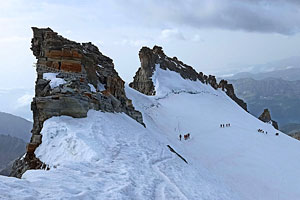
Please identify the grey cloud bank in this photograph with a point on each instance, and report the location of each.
(210, 35)
(268, 16)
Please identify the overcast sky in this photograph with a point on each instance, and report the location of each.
(213, 36)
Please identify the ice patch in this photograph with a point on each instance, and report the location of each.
(93, 89)
(54, 81)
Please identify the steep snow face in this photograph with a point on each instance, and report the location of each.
(111, 156)
(254, 165)
(166, 82)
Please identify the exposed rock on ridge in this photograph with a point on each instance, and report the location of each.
(149, 58)
(81, 78)
(266, 117)
(230, 92)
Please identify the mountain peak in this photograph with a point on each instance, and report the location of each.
(154, 59)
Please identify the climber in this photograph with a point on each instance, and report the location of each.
(186, 136)
(180, 137)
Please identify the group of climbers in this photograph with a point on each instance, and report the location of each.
(186, 136)
(262, 131)
(224, 125)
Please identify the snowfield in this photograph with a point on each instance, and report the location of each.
(111, 156)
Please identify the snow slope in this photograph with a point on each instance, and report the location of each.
(111, 156)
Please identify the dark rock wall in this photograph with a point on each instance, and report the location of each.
(230, 92)
(142, 81)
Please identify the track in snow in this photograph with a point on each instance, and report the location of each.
(166, 181)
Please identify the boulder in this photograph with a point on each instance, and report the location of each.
(266, 117)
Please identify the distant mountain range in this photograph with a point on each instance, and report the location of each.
(287, 69)
(291, 128)
(11, 148)
(290, 74)
(278, 90)
(15, 126)
(280, 96)
(14, 135)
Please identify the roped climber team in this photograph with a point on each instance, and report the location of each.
(224, 125)
(186, 136)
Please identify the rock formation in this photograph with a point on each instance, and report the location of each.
(266, 117)
(71, 79)
(230, 92)
(150, 58)
(295, 135)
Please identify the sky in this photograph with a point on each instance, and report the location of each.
(213, 36)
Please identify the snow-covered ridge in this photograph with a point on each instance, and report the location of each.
(111, 156)
(166, 81)
(153, 60)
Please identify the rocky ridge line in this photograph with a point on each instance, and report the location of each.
(150, 57)
(72, 78)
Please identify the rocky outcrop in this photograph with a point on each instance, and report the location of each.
(151, 58)
(266, 117)
(71, 79)
(143, 78)
(295, 135)
(230, 92)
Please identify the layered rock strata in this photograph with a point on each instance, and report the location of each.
(149, 58)
(71, 79)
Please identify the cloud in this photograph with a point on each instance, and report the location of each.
(267, 16)
(171, 34)
(132, 42)
(24, 100)
(197, 38)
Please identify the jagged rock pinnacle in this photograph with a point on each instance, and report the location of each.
(151, 58)
(72, 78)
(266, 117)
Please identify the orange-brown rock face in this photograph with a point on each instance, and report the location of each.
(70, 66)
(88, 81)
